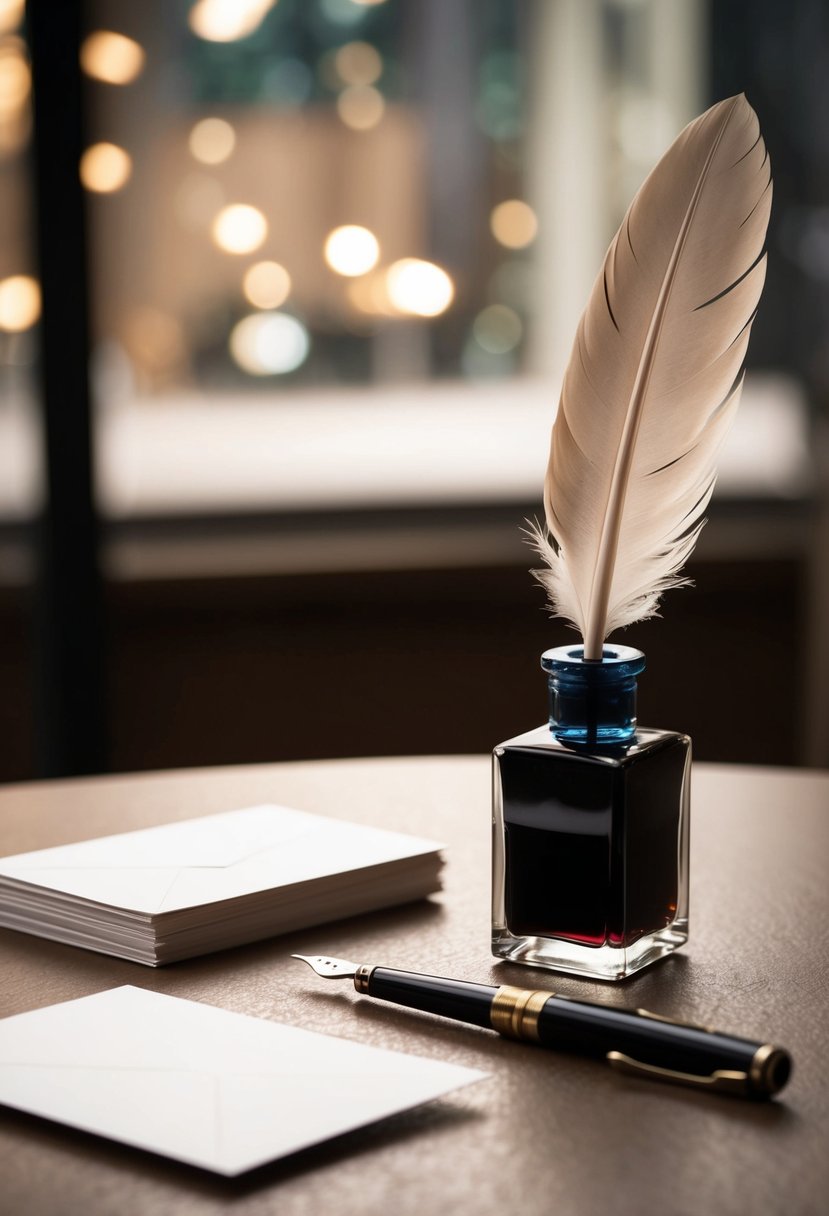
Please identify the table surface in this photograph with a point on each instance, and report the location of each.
(545, 1132)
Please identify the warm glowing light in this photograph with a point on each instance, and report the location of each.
(15, 87)
(267, 285)
(105, 168)
(419, 288)
(367, 3)
(269, 344)
(360, 107)
(19, 303)
(15, 77)
(358, 63)
(351, 250)
(112, 58)
(227, 20)
(498, 329)
(212, 140)
(11, 14)
(513, 223)
(368, 294)
(239, 228)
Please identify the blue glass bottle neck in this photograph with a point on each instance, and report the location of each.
(593, 701)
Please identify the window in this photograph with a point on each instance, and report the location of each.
(338, 253)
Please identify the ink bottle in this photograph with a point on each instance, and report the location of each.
(591, 827)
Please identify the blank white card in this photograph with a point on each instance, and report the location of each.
(215, 1089)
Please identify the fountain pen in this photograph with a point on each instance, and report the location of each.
(634, 1041)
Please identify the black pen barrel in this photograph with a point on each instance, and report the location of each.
(645, 1043)
(596, 1029)
(450, 998)
(635, 1041)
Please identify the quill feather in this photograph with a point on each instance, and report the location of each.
(654, 378)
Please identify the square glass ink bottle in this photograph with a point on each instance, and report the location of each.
(591, 827)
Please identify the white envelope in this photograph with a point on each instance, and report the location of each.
(215, 1089)
(208, 860)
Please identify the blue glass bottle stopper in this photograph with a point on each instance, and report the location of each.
(592, 701)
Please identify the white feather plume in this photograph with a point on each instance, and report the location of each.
(654, 378)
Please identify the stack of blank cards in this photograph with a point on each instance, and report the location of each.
(167, 893)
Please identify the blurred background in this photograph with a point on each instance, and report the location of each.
(286, 292)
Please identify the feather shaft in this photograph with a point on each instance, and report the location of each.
(597, 612)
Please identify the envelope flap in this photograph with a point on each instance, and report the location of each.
(324, 847)
(210, 841)
(208, 860)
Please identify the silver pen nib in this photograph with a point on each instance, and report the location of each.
(329, 968)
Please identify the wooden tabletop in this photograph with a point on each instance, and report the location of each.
(546, 1133)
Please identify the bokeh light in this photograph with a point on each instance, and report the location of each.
(267, 284)
(269, 344)
(358, 63)
(498, 329)
(499, 108)
(19, 303)
(513, 223)
(360, 107)
(11, 15)
(239, 228)
(105, 168)
(212, 140)
(15, 88)
(15, 77)
(227, 20)
(369, 294)
(351, 250)
(343, 12)
(419, 288)
(111, 58)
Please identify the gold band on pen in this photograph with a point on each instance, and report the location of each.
(362, 976)
(514, 1012)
